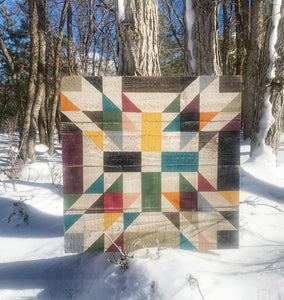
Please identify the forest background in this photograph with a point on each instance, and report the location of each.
(43, 40)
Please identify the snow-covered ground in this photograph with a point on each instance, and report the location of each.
(33, 264)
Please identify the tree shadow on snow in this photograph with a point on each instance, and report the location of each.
(80, 276)
(40, 224)
(260, 188)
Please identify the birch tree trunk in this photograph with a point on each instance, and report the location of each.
(270, 87)
(137, 36)
(205, 37)
(277, 87)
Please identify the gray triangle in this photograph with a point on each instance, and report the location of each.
(116, 137)
(205, 81)
(203, 204)
(186, 137)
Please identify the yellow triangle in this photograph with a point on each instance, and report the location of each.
(97, 137)
(110, 219)
(231, 196)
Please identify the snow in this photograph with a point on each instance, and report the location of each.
(189, 20)
(120, 10)
(33, 264)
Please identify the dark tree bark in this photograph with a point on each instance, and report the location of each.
(57, 77)
(137, 36)
(34, 53)
(205, 32)
(251, 78)
(70, 43)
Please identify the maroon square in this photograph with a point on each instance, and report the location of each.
(72, 148)
(72, 180)
(188, 201)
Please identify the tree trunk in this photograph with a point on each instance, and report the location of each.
(40, 90)
(226, 37)
(70, 44)
(277, 86)
(42, 125)
(57, 78)
(137, 37)
(34, 45)
(251, 78)
(205, 37)
(242, 27)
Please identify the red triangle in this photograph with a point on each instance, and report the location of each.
(128, 106)
(233, 125)
(193, 106)
(204, 185)
(119, 243)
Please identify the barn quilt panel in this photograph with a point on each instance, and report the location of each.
(150, 159)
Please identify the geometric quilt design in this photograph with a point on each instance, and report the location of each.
(149, 159)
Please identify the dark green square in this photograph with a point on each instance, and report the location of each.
(112, 121)
(151, 191)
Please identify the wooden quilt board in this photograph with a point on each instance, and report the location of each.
(150, 159)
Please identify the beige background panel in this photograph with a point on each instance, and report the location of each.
(151, 102)
(112, 88)
(218, 201)
(92, 155)
(131, 141)
(167, 118)
(215, 101)
(166, 205)
(87, 99)
(113, 232)
(83, 203)
(139, 240)
(151, 161)
(210, 173)
(170, 181)
(192, 178)
(109, 179)
(208, 155)
(131, 182)
(77, 117)
(171, 141)
(90, 174)
(189, 93)
(151, 222)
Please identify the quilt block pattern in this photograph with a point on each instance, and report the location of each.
(150, 159)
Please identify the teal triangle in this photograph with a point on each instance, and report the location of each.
(98, 245)
(174, 125)
(117, 186)
(108, 105)
(69, 220)
(185, 244)
(97, 187)
(128, 218)
(173, 106)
